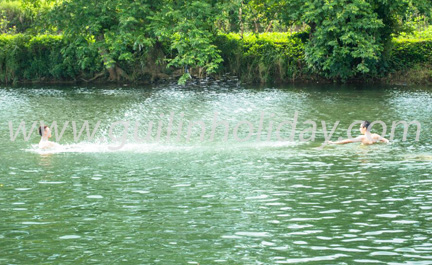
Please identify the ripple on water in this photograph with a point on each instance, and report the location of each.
(95, 196)
(253, 234)
(363, 261)
(312, 259)
(380, 232)
(389, 215)
(383, 253)
(141, 191)
(405, 221)
(70, 237)
(35, 223)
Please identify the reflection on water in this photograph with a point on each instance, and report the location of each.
(44, 158)
(271, 202)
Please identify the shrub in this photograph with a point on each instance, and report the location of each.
(14, 17)
(267, 57)
(262, 58)
(408, 52)
(36, 58)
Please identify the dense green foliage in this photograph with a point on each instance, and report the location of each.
(351, 37)
(25, 57)
(20, 16)
(144, 39)
(263, 58)
(407, 53)
(267, 57)
(13, 17)
(119, 28)
(113, 28)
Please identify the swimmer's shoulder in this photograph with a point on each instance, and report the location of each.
(378, 138)
(368, 141)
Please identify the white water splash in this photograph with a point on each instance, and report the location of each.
(88, 147)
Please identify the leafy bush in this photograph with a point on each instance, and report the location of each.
(258, 58)
(421, 32)
(14, 17)
(24, 57)
(408, 52)
(266, 57)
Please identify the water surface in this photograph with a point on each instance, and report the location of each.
(265, 201)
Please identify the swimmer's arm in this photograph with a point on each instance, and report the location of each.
(347, 141)
(384, 140)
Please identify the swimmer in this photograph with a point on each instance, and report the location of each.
(45, 134)
(366, 138)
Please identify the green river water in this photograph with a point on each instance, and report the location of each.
(257, 199)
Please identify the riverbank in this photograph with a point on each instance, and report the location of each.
(264, 58)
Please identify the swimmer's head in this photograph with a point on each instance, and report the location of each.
(365, 127)
(45, 131)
